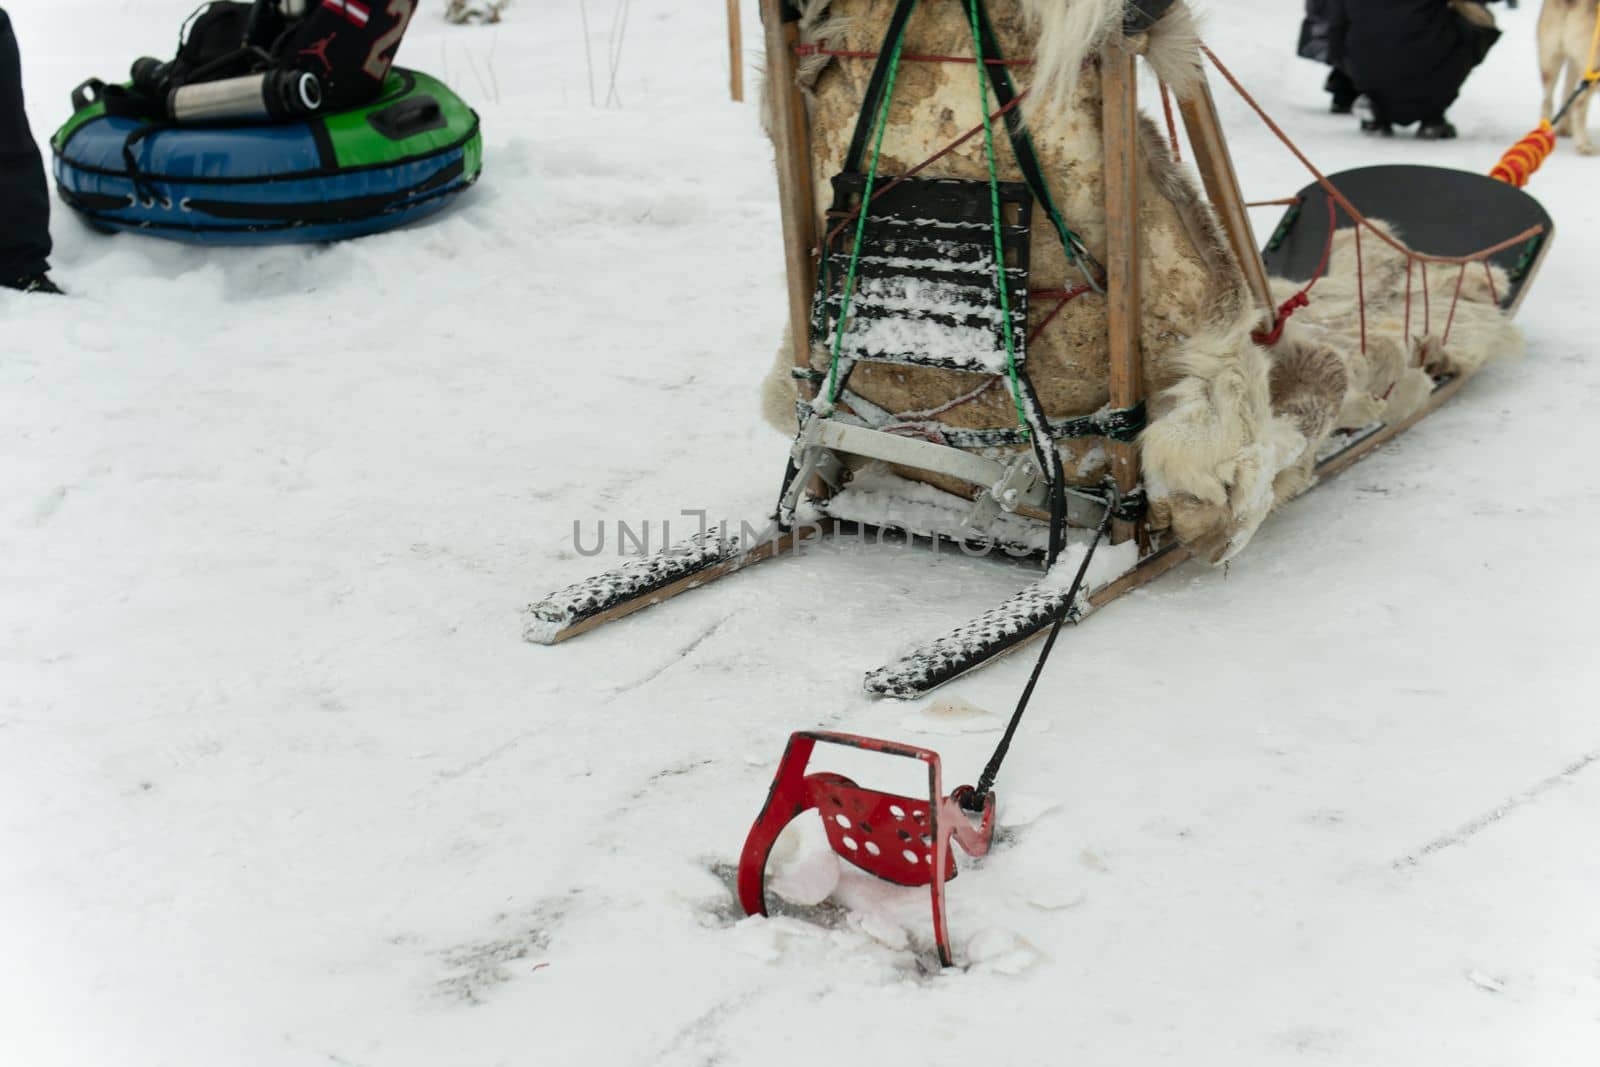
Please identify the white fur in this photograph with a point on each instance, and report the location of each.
(1214, 449)
(1218, 457)
(1068, 32)
(1174, 49)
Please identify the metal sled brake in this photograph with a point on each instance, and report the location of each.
(1439, 212)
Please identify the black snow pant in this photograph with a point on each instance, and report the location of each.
(24, 196)
(1411, 56)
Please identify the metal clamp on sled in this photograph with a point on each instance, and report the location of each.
(1006, 486)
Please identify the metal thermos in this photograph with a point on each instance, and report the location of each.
(275, 96)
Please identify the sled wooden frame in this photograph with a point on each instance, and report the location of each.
(1030, 612)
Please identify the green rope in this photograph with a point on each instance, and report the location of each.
(999, 245)
(861, 220)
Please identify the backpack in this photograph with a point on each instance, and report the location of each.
(348, 45)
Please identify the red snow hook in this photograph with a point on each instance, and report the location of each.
(904, 840)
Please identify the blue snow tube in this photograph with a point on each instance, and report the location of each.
(396, 160)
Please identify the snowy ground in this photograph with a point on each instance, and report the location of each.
(281, 784)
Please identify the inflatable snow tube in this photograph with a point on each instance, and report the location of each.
(400, 158)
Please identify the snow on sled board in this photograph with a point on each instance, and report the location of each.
(1437, 211)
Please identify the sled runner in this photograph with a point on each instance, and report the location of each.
(946, 311)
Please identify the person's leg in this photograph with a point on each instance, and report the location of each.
(1374, 115)
(1343, 90)
(24, 195)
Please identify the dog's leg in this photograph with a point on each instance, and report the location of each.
(1569, 83)
(1580, 123)
(1552, 60)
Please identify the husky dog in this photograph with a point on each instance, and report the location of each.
(1566, 37)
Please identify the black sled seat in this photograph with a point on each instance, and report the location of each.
(1437, 211)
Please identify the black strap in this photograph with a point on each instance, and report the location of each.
(974, 801)
(309, 212)
(1005, 92)
(1049, 459)
(876, 87)
(126, 102)
(141, 185)
(90, 91)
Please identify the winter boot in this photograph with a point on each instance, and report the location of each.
(1437, 128)
(33, 283)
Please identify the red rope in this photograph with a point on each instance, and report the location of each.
(1286, 310)
(1427, 303)
(914, 423)
(1451, 321)
(1067, 296)
(1361, 289)
(1172, 124)
(918, 169)
(1409, 272)
(1519, 163)
(1344, 202)
(803, 50)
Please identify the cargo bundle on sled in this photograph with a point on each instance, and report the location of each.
(1013, 310)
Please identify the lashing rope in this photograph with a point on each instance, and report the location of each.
(914, 422)
(1302, 299)
(1343, 201)
(1172, 123)
(1069, 610)
(861, 219)
(1461, 277)
(804, 50)
(914, 171)
(1361, 289)
(1002, 279)
(1361, 222)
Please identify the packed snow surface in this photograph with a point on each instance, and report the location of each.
(281, 783)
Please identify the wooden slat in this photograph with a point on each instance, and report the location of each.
(792, 137)
(1148, 570)
(1215, 164)
(735, 52)
(1121, 130)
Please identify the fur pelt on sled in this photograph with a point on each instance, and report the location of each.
(1234, 427)
(1236, 437)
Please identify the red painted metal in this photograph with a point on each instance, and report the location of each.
(904, 840)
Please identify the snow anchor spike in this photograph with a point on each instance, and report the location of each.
(904, 840)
